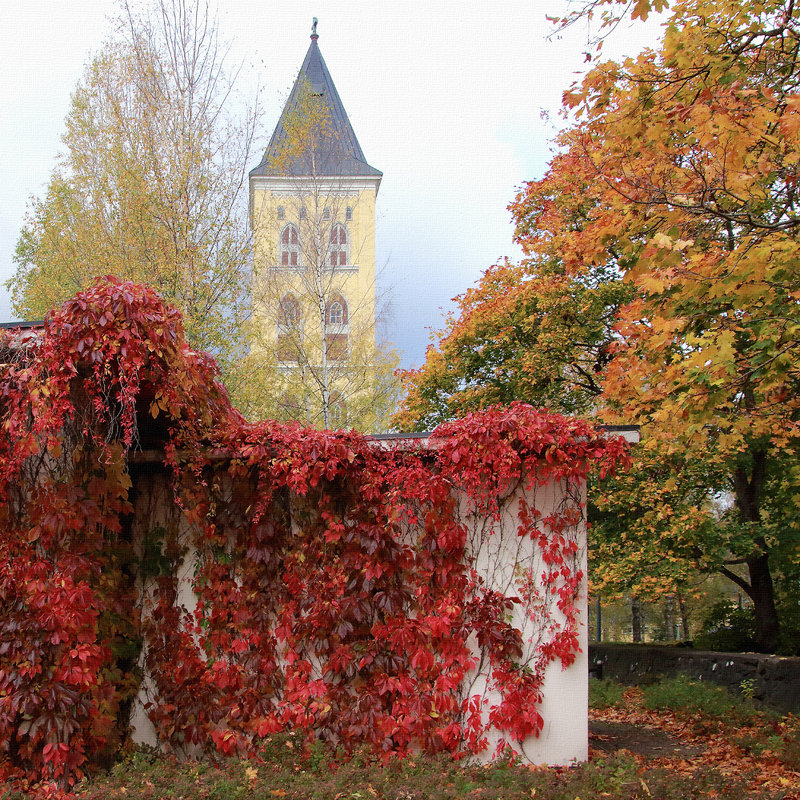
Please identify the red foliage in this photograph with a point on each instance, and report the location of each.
(336, 580)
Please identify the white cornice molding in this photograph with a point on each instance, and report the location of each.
(348, 184)
(300, 268)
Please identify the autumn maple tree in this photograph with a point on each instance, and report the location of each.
(677, 179)
(527, 331)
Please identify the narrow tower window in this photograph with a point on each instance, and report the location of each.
(338, 411)
(337, 329)
(336, 314)
(288, 329)
(339, 250)
(289, 251)
(289, 312)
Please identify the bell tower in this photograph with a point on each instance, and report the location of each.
(312, 208)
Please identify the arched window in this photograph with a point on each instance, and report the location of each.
(289, 312)
(339, 248)
(281, 212)
(289, 249)
(336, 312)
(288, 330)
(337, 329)
(348, 213)
(337, 411)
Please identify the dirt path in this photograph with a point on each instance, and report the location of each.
(690, 744)
(608, 737)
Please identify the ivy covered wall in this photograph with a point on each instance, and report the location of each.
(264, 577)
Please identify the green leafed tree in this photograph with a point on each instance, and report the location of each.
(526, 332)
(151, 184)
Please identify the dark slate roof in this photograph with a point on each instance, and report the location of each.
(341, 154)
(22, 324)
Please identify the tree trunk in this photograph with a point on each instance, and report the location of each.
(670, 634)
(636, 619)
(748, 490)
(599, 621)
(686, 634)
(762, 594)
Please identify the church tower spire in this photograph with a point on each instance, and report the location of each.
(342, 154)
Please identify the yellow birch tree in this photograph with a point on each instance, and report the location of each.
(151, 184)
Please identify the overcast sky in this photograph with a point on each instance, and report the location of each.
(448, 99)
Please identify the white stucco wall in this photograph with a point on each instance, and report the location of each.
(155, 508)
(503, 559)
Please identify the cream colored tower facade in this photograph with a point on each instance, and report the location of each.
(312, 201)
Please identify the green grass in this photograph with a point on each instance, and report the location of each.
(288, 769)
(293, 777)
(681, 695)
(604, 693)
(684, 695)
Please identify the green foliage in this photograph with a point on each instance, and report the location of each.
(748, 688)
(526, 332)
(727, 628)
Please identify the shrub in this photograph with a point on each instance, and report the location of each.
(335, 581)
(686, 696)
(727, 628)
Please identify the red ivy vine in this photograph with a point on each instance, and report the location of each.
(343, 588)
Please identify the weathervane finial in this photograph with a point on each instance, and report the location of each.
(314, 34)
